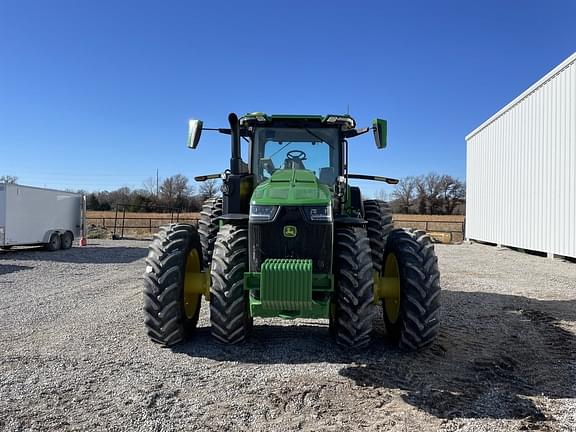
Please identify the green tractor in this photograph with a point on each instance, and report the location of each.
(290, 238)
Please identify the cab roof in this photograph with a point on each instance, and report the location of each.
(297, 120)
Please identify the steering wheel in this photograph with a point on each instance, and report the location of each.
(296, 155)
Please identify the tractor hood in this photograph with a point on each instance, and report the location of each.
(292, 187)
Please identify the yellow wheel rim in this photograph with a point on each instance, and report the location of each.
(391, 291)
(191, 296)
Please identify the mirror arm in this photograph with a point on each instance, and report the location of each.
(355, 132)
(225, 131)
(202, 178)
(388, 180)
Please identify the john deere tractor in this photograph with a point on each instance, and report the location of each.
(291, 238)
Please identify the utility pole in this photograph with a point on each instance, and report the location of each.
(156, 183)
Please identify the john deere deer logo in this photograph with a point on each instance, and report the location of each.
(290, 231)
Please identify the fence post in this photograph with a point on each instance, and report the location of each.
(115, 221)
(150, 220)
(123, 221)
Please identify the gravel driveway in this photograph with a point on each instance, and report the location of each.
(74, 355)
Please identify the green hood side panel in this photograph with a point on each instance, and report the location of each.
(292, 187)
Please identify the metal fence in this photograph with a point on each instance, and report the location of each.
(120, 223)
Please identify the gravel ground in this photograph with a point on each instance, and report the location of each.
(75, 356)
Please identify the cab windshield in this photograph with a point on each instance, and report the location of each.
(313, 149)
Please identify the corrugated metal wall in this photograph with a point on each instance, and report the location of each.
(521, 169)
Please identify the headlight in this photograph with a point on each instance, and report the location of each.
(262, 213)
(319, 214)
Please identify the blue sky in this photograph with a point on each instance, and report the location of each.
(96, 95)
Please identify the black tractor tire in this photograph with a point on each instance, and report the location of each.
(66, 240)
(208, 226)
(379, 217)
(353, 309)
(418, 322)
(54, 243)
(165, 316)
(229, 312)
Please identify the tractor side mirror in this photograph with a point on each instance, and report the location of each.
(194, 132)
(380, 128)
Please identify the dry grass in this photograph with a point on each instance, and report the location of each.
(137, 225)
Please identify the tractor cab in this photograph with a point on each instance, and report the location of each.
(280, 144)
(296, 143)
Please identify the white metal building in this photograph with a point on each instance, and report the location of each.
(521, 169)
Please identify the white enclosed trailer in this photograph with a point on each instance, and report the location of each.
(521, 169)
(36, 216)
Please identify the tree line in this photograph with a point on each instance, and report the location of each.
(174, 193)
(426, 194)
(437, 194)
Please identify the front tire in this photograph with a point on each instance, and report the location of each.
(169, 316)
(415, 322)
(229, 314)
(353, 309)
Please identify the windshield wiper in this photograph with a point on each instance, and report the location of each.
(278, 151)
(316, 136)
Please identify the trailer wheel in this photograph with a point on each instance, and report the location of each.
(66, 240)
(54, 243)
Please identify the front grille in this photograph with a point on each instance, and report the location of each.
(313, 241)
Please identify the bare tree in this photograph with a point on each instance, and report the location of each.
(120, 196)
(439, 194)
(209, 189)
(8, 179)
(381, 195)
(452, 192)
(149, 185)
(404, 194)
(428, 191)
(175, 191)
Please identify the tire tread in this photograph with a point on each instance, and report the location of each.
(164, 317)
